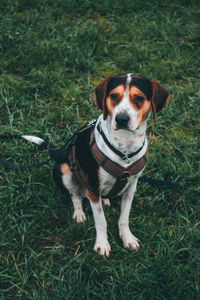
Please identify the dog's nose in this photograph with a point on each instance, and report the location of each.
(122, 120)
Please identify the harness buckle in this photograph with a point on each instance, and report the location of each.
(126, 159)
(125, 175)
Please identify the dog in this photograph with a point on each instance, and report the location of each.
(106, 159)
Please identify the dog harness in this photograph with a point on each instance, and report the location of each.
(120, 173)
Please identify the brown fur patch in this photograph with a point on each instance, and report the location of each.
(119, 90)
(160, 97)
(143, 108)
(129, 142)
(133, 92)
(100, 95)
(110, 106)
(143, 111)
(65, 169)
(92, 196)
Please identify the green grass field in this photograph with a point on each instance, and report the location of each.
(52, 55)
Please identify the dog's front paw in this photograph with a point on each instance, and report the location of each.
(102, 247)
(129, 240)
(79, 216)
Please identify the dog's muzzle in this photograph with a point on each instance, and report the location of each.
(122, 120)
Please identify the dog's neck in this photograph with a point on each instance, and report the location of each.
(123, 140)
(126, 142)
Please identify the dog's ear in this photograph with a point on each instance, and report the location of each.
(100, 96)
(160, 97)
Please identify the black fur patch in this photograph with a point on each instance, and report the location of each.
(116, 81)
(85, 159)
(140, 82)
(143, 84)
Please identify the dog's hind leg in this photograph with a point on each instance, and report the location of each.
(102, 245)
(75, 193)
(78, 214)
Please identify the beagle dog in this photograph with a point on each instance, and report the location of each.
(120, 138)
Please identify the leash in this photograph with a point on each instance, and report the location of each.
(162, 183)
(54, 154)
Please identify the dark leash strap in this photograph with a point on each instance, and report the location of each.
(162, 183)
(32, 166)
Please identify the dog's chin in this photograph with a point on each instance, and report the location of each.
(125, 129)
(116, 127)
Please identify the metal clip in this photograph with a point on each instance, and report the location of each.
(91, 123)
(126, 159)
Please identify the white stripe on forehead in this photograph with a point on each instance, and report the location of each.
(125, 106)
(129, 77)
(126, 92)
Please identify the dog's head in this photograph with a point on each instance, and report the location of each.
(128, 98)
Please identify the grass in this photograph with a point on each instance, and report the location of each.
(52, 55)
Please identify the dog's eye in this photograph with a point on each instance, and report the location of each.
(139, 99)
(114, 97)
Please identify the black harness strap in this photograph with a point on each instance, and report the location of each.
(120, 173)
(120, 154)
(80, 176)
(78, 172)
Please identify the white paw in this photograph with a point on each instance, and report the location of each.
(102, 247)
(106, 202)
(129, 240)
(79, 216)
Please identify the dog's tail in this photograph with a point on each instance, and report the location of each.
(33, 139)
(54, 153)
(44, 145)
